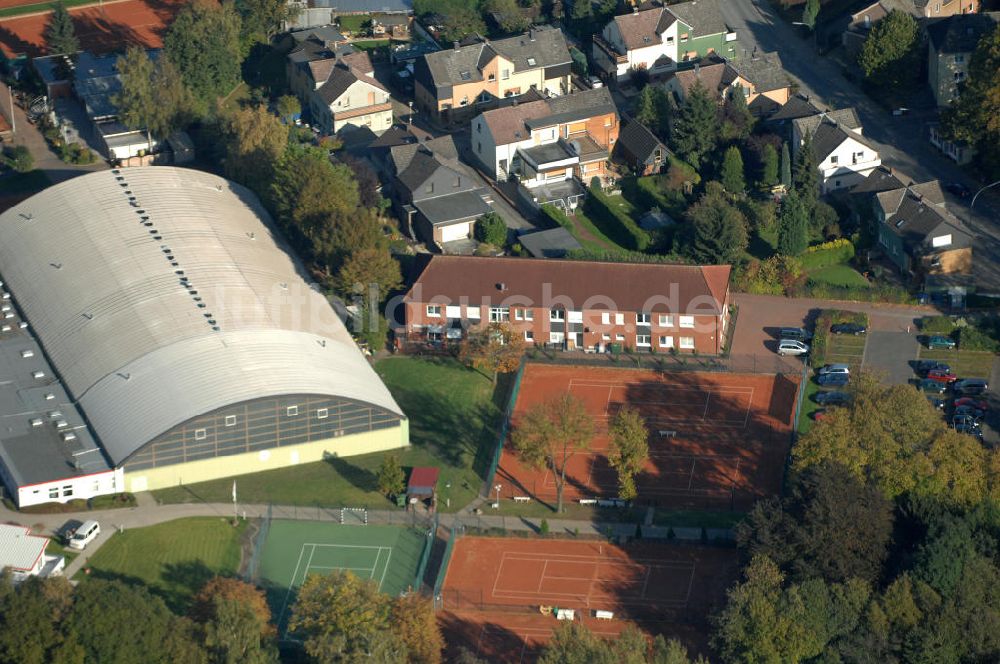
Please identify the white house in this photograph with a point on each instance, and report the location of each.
(844, 157)
(24, 554)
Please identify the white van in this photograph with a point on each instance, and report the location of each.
(84, 535)
(834, 369)
(792, 347)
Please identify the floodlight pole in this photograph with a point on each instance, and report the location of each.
(497, 489)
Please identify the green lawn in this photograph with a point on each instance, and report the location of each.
(965, 363)
(370, 44)
(353, 23)
(56, 548)
(846, 349)
(839, 275)
(453, 423)
(174, 559)
(808, 407)
(605, 243)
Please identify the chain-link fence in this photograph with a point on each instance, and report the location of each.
(504, 428)
(752, 363)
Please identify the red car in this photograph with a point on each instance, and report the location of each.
(942, 376)
(819, 415)
(978, 404)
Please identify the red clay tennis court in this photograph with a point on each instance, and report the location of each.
(511, 589)
(716, 439)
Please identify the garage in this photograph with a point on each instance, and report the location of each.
(454, 232)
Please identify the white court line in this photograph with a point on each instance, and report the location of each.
(708, 400)
(343, 546)
(541, 579)
(366, 570)
(694, 462)
(378, 554)
(291, 584)
(382, 581)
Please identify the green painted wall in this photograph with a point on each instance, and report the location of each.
(150, 479)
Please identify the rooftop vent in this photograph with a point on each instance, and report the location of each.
(502, 287)
(61, 424)
(37, 422)
(5, 328)
(68, 436)
(37, 374)
(49, 396)
(53, 414)
(27, 353)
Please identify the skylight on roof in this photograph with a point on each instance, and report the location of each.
(531, 62)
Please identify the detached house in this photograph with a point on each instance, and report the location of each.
(766, 87)
(437, 199)
(951, 42)
(641, 150)
(24, 554)
(336, 83)
(572, 304)
(844, 157)
(454, 84)
(549, 141)
(660, 38)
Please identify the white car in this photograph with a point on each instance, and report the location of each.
(834, 369)
(792, 347)
(84, 535)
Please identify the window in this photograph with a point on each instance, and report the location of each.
(473, 313)
(230, 420)
(291, 411)
(529, 314)
(606, 318)
(833, 159)
(529, 335)
(605, 337)
(200, 434)
(493, 76)
(518, 314)
(859, 156)
(619, 337)
(322, 413)
(479, 149)
(54, 492)
(557, 314)
(666, 320)
(960, 76)
(96, 486)
(666, 342)
(642, 319)
(687, 342)
(619, 319)
(499, 314)
(505, 74)
(642, 340)
(434, 310)
(465, 101)
(687, 321)
(67, 491)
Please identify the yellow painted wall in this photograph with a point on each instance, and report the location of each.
(202, 470)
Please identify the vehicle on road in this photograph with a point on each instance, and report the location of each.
(833, 379)
(832, 398)
(923, 366)
(941, 375)
(958, 189)
(971, 386)
(848, 328)
(932, 386)
(980, 404)
(84, 535)
(792, 347)
(595, 82)
(939, 343)
(834, 369)
(796, 333)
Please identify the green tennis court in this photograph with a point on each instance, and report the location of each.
(293, 550)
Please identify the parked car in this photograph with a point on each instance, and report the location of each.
(980, 404)
(923, 366)
(833, 379)
(848, 328)
(792, 347)
(84, 535)
(969, 411)
(937, 403)
(958, 189)
(941, 375)
(832, 398)
(819, 415)
(932, 386)
(595, 82)
(971, 386)
(965, 424)
(834, 369)
(940, 343)
(796, 333)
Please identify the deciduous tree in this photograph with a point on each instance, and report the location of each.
(60, 35)
(390, 476)
(975, 116)
(889, 56)
(413, 620)
(809, 13)
(255, 141)
(551, 433)
(203, 607)
(509, 14)
(204, 43)
(288, 107)
(369, 267)
(629, 449)
(495, 350)
(233, 635)
(260, 20)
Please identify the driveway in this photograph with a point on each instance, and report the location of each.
(890, 354)
(902, 142)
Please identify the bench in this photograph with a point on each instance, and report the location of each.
(604, 615)
(667, 433)
(588, 501)
(565, 614)
(522, 499)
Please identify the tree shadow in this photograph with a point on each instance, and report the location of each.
(361, 478)
(181, 581)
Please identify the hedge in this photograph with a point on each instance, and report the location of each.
(823, 255)
(556, 216)
(617, 226)
(972, 338)
(876, 293)
(821, 334)
(615, 256)
(942, 325)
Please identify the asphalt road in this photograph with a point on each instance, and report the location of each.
(902, 141)
(890, 353)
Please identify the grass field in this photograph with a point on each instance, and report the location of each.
(965, 363)
(453, 422)
(808, 407)
(174, 559)
(295, 549)
(603, 241)
(846, 349)
(839, 275)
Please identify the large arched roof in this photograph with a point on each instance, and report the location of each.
(163, 293)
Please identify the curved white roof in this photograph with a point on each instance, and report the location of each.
(111, 268)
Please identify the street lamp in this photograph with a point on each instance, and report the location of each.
(981, 191)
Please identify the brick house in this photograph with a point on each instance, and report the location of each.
(766, 86)
(571, 304)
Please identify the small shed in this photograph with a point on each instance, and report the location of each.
(423, 484)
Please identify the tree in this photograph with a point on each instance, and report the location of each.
(254, 141)
(809, 13)
(203, 608)
(491, 229)
(461, 21)
(153, 96)
(288, 108)
(769, 168)
(260, 20)
(390, 476)
(629, 449)
(368, 267)
(975, 116)
(805, 176)
(793, 226)
(889, 56)
(732, 171)
(60, 35)
(735, 119)
(582, 10)
(30, 617)
(414, 621)
(573, 643)
(695, 130)
(234, 635)
(19, 159)
(508, 13)
(340, 617)
(495, 350)
(204, 43)
(786, 166)
(718, 230)
(551, 433)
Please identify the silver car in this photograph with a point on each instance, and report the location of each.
(792, 347)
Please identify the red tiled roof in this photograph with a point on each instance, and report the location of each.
(423, 478)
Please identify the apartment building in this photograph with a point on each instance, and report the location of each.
(951, 42)
(593, 306)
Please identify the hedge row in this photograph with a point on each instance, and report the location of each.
(556, 216)
(821, 334)
(622, 256)
(876, 293)
(618, 226)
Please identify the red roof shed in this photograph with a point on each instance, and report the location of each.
(423, 481)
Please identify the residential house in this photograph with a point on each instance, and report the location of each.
(436, 196)
(336, 83)
(951, 42)
(958, 151)
(919, 234)
(594, 306)
(638, 147)
(576, 131)
(551, 243)
(798, 106)
(24, 554)
(766, 87)
(393, 26)
(659, 38)
(945, 8)
(844, 157)
(454, 84)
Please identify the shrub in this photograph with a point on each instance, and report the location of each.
(19, 159)
(679, 172)
(556, 216)
(621, 256)
(973, 338)
(618, 226)
(543, 527)
(491, 229)
(937, 325)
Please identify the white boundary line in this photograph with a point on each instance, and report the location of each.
(291, 584)
(386, 570)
